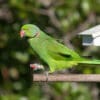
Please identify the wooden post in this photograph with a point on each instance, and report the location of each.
(67, 78)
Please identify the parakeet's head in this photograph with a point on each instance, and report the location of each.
(29, 31)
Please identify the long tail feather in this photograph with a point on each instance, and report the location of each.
(90, 61)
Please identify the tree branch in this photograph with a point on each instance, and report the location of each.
(67, 78)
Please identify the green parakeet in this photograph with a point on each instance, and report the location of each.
(56, 55)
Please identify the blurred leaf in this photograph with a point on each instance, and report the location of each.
(23, 57)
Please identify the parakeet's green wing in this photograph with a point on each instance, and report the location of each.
(59, 51)
(62, 57)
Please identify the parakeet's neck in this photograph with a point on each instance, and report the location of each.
(41, 37)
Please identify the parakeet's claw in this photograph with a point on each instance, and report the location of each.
(36, 66)
(47, 74)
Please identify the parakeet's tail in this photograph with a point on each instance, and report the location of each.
(85, 61)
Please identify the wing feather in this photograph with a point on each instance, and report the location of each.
(58, 51)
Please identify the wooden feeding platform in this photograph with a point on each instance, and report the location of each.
(67, 78)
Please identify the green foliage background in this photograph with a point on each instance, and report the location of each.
(62, 19)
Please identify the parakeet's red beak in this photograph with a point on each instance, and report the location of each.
(22, 33)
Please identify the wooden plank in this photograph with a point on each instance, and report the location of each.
(67, 78)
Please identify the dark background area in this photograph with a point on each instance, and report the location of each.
(63, 20)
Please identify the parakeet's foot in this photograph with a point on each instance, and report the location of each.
(36, 66)
(46, 73)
